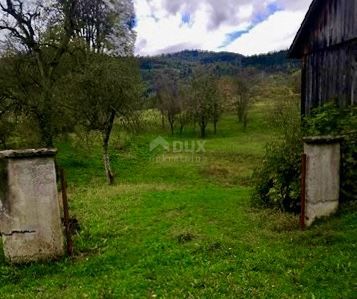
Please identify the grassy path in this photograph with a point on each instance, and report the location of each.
(177, 227)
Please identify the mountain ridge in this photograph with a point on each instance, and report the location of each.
(274, 61)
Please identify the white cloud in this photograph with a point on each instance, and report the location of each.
(295, 5)
(276, 33)
(161, 30)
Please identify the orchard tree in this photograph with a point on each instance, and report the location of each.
(37, 36)
(51, 44)
(239, 91)
(39, 40)
(217, 109)
(167, 90)
(185, 115)
(204, 96)
(106, 90)
(108, 85)
(242, 100)
(247, 83)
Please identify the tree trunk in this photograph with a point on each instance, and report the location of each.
(240, 109)
(203, 132)
(45, 110)
(46, 129)
(240, 112)
(172, 124)
(203, 128)
(163, 120)
(181, 129)
(245, 121)
(172, 128)
(240, 117)
(108, 171)
(106, 138)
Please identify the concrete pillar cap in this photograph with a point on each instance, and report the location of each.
(328, 139)
(28, 153)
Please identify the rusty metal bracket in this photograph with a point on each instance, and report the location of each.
(303, 191)
(66, 220)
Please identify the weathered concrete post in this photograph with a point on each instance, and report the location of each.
(30, 222)
(322, 177)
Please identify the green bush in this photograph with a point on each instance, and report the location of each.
(277, 179)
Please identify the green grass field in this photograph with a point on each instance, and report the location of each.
(181, 226)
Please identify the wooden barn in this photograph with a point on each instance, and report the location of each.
(327, 45)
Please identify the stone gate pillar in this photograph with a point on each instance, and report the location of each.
(322, 181)
(30, 222)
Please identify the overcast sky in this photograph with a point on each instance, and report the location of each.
(242, 26)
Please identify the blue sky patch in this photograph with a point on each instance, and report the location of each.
(271, 9)
(231, 37)
(186, 18)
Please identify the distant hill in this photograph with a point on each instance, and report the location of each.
(221, 63)
(228, 63)
(272, 62)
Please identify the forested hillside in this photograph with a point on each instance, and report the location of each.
(221, 64)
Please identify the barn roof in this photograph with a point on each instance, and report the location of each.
(296, 50)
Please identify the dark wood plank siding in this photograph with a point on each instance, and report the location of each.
(354, 75)
(327, 42)
(335, 23)
(330, 75)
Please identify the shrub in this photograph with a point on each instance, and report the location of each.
(277, 180)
